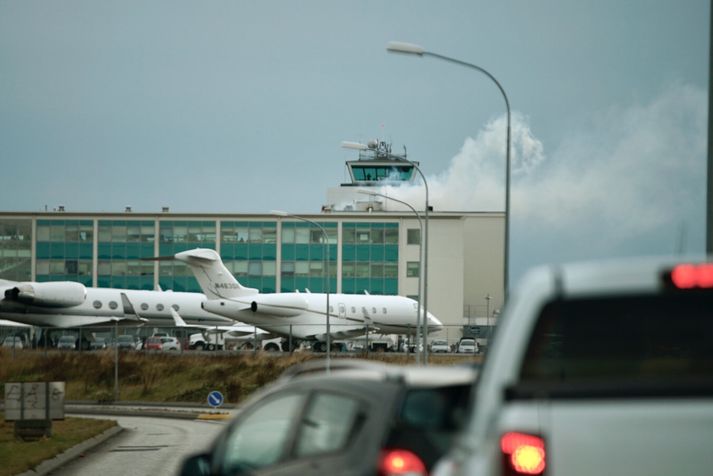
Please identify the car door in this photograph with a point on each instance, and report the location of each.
(259, 440)
(325, 436)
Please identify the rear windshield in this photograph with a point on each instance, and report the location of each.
(429, 419)
(661, 338)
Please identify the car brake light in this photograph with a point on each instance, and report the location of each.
(523, 453)
(691, 276)
(400, 462)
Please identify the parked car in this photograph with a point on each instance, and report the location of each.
(67, 343)
(557, 395)
(126, 342)
(98, 343)
(13, 342)
(439, 345)
(467, 346)
(153, 343)
(361, 418)
(170, 343)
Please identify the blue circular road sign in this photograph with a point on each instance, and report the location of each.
(215, 399)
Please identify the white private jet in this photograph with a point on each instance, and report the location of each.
(71, 304)
(302, 315)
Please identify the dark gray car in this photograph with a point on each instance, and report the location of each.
(359, 419)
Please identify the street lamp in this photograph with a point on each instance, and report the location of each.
(358, 146)
(420, 271)
(411, 49)
(326, 270)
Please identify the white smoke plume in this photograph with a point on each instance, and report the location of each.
(626, 185)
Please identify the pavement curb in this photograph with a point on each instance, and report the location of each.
(72, 453)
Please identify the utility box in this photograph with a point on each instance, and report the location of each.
(33, 406)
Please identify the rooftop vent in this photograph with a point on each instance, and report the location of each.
(127, 209)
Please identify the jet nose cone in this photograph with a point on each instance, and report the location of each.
(434, 324)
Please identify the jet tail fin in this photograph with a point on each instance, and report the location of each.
(215, 280)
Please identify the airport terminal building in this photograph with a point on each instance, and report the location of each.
(371, 248)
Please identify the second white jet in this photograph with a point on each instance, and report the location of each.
(302, 315)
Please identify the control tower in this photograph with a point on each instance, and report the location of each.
(376, 166)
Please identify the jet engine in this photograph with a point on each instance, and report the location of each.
(285, 305)
(51, 294)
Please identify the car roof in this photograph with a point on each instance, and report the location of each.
(412, 375)
(610, 276)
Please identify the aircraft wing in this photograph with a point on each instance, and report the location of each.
(236, 330)
(344, 332)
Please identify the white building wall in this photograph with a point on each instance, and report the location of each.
(445, 270)
(483, 254)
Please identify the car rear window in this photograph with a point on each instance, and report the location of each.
(429, 419)
(647, 338)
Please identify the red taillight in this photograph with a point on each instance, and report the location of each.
(691, 276)
(400, 462)
(523, 453)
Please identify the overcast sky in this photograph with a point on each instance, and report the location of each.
(240, 106)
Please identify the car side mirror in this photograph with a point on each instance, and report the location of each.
(196, 465)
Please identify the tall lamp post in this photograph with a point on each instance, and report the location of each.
(420, 271)
(326, 270)
(411, 49)
(357, 146)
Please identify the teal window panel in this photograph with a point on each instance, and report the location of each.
(269, 251)
(227, 250)
(71, 250)
(377, 226)
(242, 251)
(301, 283)
(348, 286)
(348, 253)
(147, 250)
(268, 285)
(302, 252)
(133, 251)
(86, 251)
(118, 251)
(377, 253)
(316, 252)
(377, 286)
(252, 282)
(104, 281)
(56, 250)
(288, 284)
(391, 253)
(316, 285)
(104, 251)
(288, 252)
(391, 286)
(43, 250)
(192, 285)
(147, 283)
(133, 282)
(361, 284)
(362, 253)
(165, 282)
(255, 252)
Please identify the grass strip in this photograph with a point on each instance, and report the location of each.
(18, 456)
